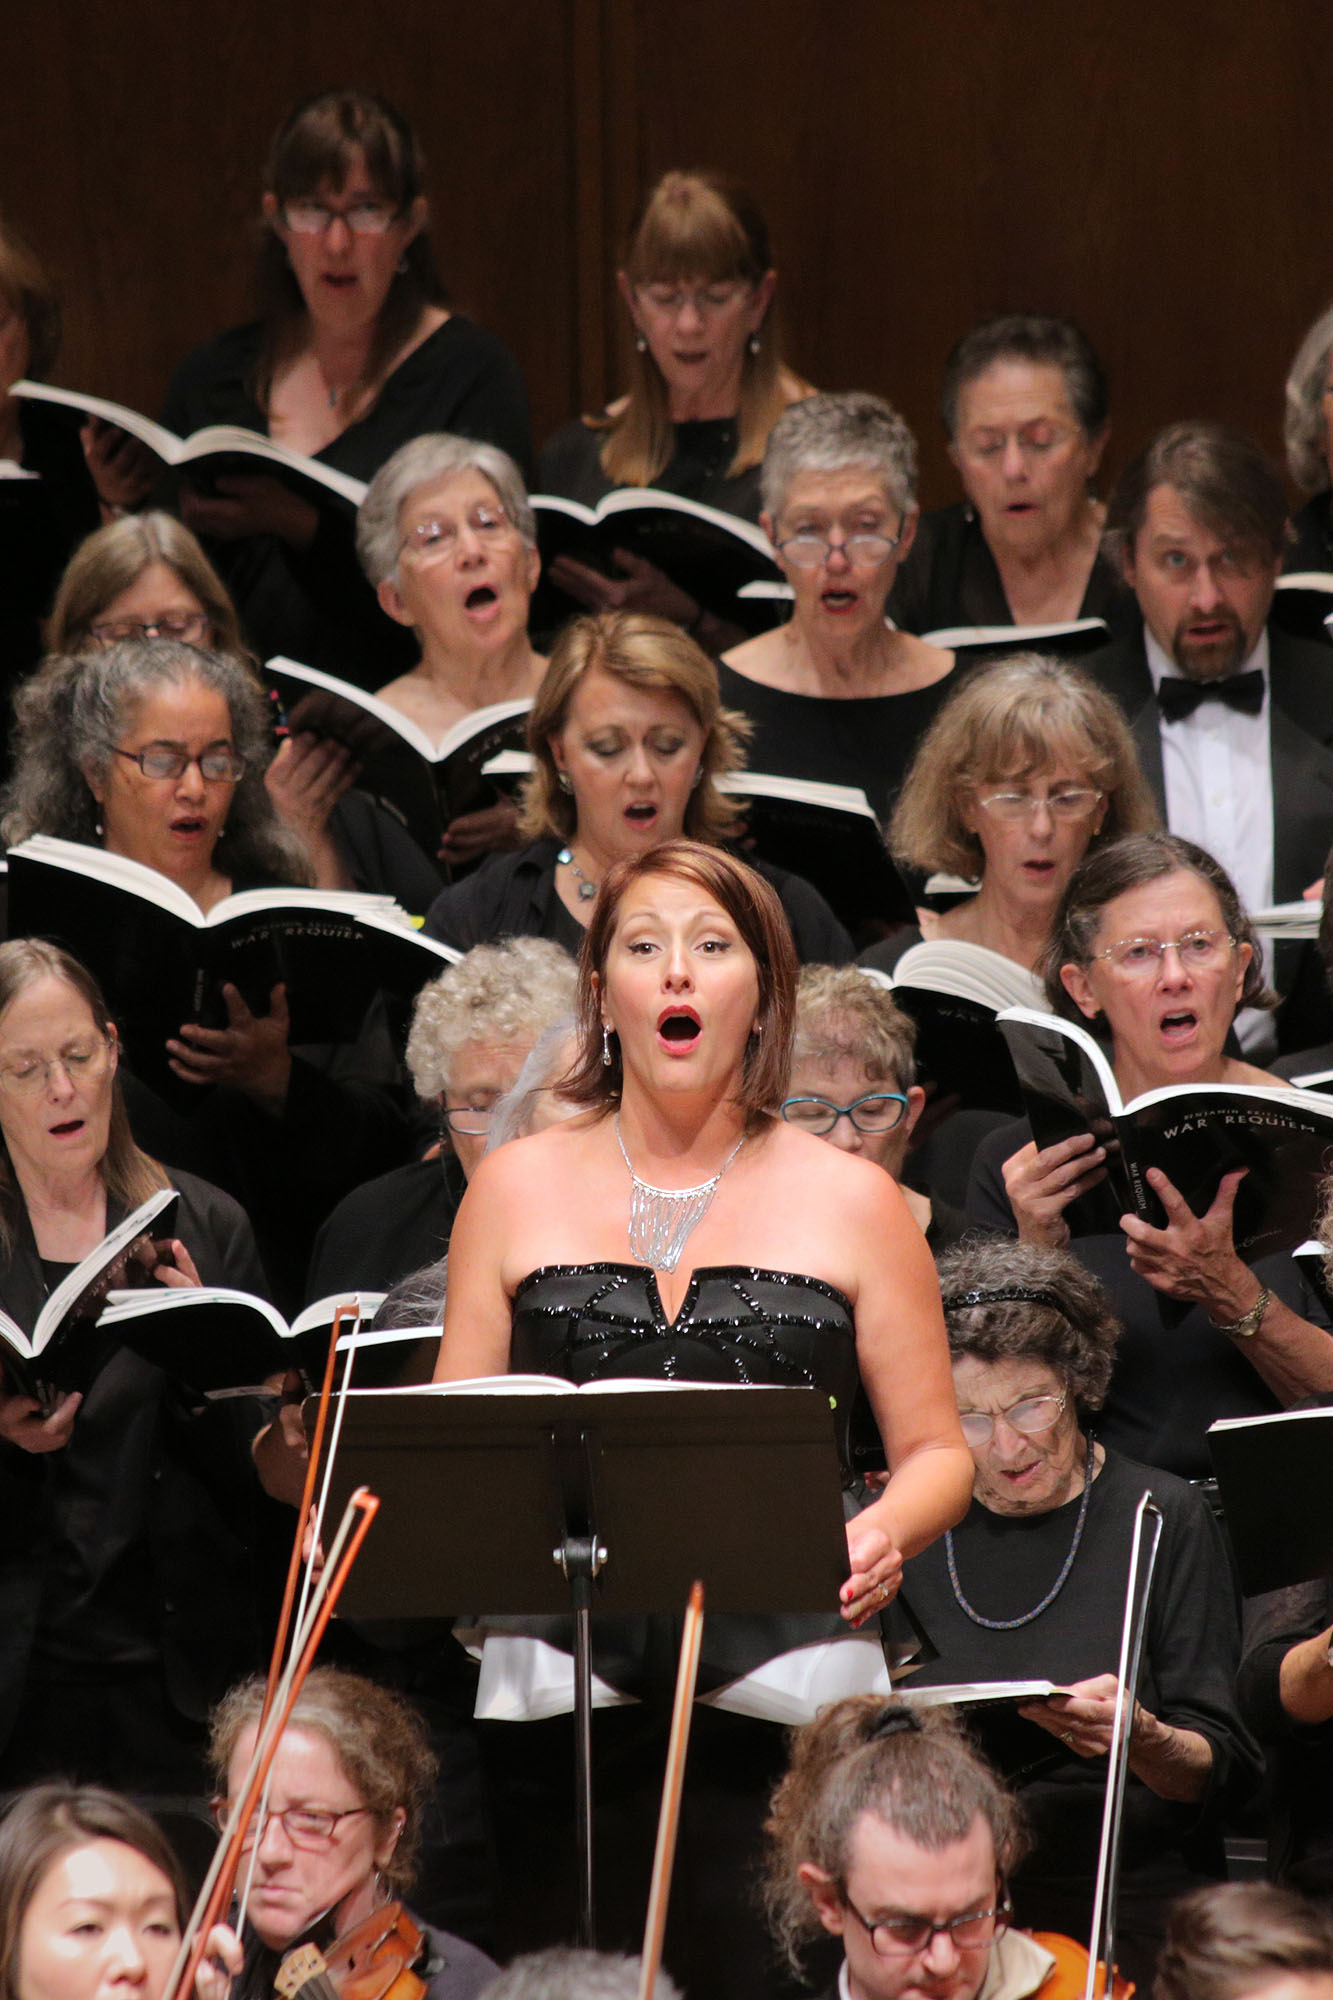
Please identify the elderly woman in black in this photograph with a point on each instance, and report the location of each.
(1031, 1585)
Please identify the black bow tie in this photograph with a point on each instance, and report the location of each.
(1178, 698)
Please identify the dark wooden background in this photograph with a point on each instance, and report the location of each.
(1159, 172)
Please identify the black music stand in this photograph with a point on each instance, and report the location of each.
(614, 1497)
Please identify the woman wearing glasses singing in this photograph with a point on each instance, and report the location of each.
(350, 1784)
(836, 693)
(1031, 1585)
(355, 352)
(1151, 948)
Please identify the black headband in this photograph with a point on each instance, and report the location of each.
(893, 1720)
(1003, 1295)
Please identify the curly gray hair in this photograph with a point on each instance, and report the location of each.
(1304, 430)
(69, 715)
(504, 992)
(1005, 1301)
(837, 433)
(563, 1972)
(422, 462)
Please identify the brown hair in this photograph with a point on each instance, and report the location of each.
(379, 1739)
(916, 1773)
(754, 908)
(1235, 1938)
(112, 560)
(645, 653)
(320, 140)
(703, 226)
(1042, 341)
(1223, 478)
(1011, 720)
(50, 1821)
(129, 1175)
(1055, 1312)
(25, 286)
(842, 1010)
(1113, 870)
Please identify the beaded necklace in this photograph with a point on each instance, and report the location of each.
(1012, 1624)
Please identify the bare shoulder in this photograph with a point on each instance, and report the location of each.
(859, 1194)
(543, 1160)
(793, 387)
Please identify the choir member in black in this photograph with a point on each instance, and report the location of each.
(448, 539)
(1307, 430)
(92, 1901)
(146, 577)
(1031, 1585)
(1151, 945)
(156, 750)
(48, 501)
(339, 1828)
(1025, 409)
(836, 693)
(472, 1030)
(707, 384)
(627, 735)
(356, 350)
(131, 1511)
(1241, 1940)
(1025, 769)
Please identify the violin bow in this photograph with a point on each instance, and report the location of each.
(668, 1819)
(215, 1894)
(1101, 1945)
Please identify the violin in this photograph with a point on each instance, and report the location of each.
(1069, 1974)
(375, 1960)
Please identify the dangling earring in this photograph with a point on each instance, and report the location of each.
(99, 829)
(606, 1046)
(640, 343)
(755, 344)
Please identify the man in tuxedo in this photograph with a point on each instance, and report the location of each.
(1232, 717)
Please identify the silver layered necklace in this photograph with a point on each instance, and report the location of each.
(660, 1219)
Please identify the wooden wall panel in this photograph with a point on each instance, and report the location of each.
(1158, 172)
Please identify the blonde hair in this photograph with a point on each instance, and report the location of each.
(646, 653)
(705, 227)
(1023, 715)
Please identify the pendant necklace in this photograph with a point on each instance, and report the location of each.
(587, 889)
(1012, 1624)
(660, 1219)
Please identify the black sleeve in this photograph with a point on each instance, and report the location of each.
(493, 406)
(987, 1202)
(1274, 1623)
(907, 602)
(485, 905)
(818, 936)
(381, 854)
(216, 1231)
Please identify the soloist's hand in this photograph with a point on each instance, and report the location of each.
(1041, 1185)
(877, 1572)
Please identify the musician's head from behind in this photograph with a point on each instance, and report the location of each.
(474, 1027)
(60, 1102)
(890, 1832)
(1243, 1940)
(154, 749)
(564, 1972)
(348, 1788)
(1199, 522)
(853, 1071)
(92, 1898)
(687, 980)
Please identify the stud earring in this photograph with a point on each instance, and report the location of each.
(755, 344)
(606, 1046)
(565, 783)
(640, 343)
(99, 829)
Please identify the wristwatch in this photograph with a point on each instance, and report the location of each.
(1249, 1323)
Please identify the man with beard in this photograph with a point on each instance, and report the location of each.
(1232, 717)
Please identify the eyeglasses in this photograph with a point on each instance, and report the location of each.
(903, 1936)
(315, 218)
(1140, 957)
(304, 1826)
(437, 541)
(81, 1062)
(194, 627)
(707, 300)
(1033, 441)
(878, 1111)
(1032, 1416)
(472, 1120)
(1071, 803)
(218, 765)
(807, 550)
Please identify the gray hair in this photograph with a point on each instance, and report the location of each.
(70, 713)
(1064, 1320)
(422, 462)
(550, 1056)
(503, 992)
(1304, 431)
(836, 434)
(565, 1973)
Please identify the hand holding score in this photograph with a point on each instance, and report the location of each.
(644, 588)
(1194, 1257)
(1083, 1715)
(250, 1053)
(249, 504)
(123, 470)
(1042, 1183)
